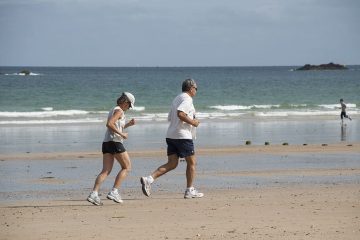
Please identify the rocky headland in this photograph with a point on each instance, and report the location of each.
(329, 66)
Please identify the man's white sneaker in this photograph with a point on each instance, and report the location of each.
(115, 196)
(94, 199)
(192, 193)
(146, 186)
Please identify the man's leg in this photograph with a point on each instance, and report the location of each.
(146, 182)
(190, 191)
(190, 170)
(172, 163)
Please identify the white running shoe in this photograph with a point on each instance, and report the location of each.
(115, 196)
(192, 193)
(146, 186)
(94, 199)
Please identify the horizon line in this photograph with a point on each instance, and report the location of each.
(138, 66)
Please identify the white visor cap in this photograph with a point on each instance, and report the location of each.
(131, 99)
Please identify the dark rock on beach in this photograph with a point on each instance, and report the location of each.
(329, 66)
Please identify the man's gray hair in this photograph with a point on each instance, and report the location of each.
(188, 84)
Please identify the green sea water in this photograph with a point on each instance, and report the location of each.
(55, 94)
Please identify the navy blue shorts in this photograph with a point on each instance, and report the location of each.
(181, 147)
(113, 147)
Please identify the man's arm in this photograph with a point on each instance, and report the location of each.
(184, 117)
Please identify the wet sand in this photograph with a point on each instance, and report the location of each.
(149, 136)
(252, 149)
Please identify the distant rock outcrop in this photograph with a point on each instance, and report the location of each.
(25, 72)
(329, 66)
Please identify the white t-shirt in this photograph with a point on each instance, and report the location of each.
(178, 129)
(120, 124)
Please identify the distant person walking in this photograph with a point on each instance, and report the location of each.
(343, 111)
(179, 139)
(113, 148)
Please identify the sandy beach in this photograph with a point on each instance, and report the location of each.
(291, 202)
(300, 212)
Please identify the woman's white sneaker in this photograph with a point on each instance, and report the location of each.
(115, 196)
(94, 199)
(192, 193)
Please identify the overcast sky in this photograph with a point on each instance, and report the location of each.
(178, 32)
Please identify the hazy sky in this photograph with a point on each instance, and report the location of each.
(178, 33)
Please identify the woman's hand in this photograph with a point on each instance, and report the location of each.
(124, 135)
(132, 122)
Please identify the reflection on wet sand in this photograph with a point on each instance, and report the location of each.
(343, 132)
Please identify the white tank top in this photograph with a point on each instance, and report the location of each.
(120, 124)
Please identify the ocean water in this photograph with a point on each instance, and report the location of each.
(53, 95)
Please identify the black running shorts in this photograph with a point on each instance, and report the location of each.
(113, 147)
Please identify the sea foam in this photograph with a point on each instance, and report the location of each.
(23, 74)
(241, 107)
(51, 121)
(337, 106)
(44, 114)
